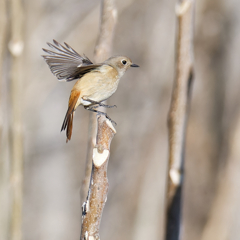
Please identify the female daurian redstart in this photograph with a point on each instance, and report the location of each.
(96, 82)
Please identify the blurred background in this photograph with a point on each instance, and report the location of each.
(33, 105)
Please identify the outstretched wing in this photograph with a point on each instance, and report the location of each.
(65, 63)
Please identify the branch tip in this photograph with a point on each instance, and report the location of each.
(99, 158)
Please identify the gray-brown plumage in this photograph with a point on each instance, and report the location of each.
(96, 82)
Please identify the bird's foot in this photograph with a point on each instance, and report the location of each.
(107, 106)
(102, 113)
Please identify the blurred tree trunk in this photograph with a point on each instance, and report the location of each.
(223, 221)
(222, 217)
(205, 133)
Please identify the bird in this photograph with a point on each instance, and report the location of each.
(95, 82)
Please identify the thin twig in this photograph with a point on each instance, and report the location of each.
(102, 52)
(177, 117)
(97, 195)
(16, 49)
(4, 140)
(108, 21)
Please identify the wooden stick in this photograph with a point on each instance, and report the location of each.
(177, 117)
(97, 194)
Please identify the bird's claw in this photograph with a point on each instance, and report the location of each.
(111, 120)
(106, 106)
(102, 113)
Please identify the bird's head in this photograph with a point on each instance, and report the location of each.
(120, 63)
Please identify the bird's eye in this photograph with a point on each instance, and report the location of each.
(124, 62)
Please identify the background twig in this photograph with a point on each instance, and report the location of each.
(16, 48)
(4, 140)
(102, 52)
(97, 195)
(177, 117)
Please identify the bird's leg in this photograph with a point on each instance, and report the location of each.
(106, 106)
(92, 109)
(100, 104)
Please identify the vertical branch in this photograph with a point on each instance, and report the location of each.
(4, 163)
(97, 194)
(16, 48)
(102, 52)
(108, 21)
(3, 33)
(177, 117)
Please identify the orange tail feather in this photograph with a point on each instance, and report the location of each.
(68, 120)
(69, 127)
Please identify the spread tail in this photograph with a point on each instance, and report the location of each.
(68, 120)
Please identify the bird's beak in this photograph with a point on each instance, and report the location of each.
(134, 65)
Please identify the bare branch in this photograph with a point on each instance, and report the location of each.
(97, 195)
(4, 140)
(108, 21)
(16, 49)
(177, 117)
(102, 52)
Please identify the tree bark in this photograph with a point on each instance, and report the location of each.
(97, 194)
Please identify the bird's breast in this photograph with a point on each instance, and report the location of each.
(98, 85)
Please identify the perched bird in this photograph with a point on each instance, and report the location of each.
(96, 82)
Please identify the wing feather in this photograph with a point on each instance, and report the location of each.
(65, 63)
